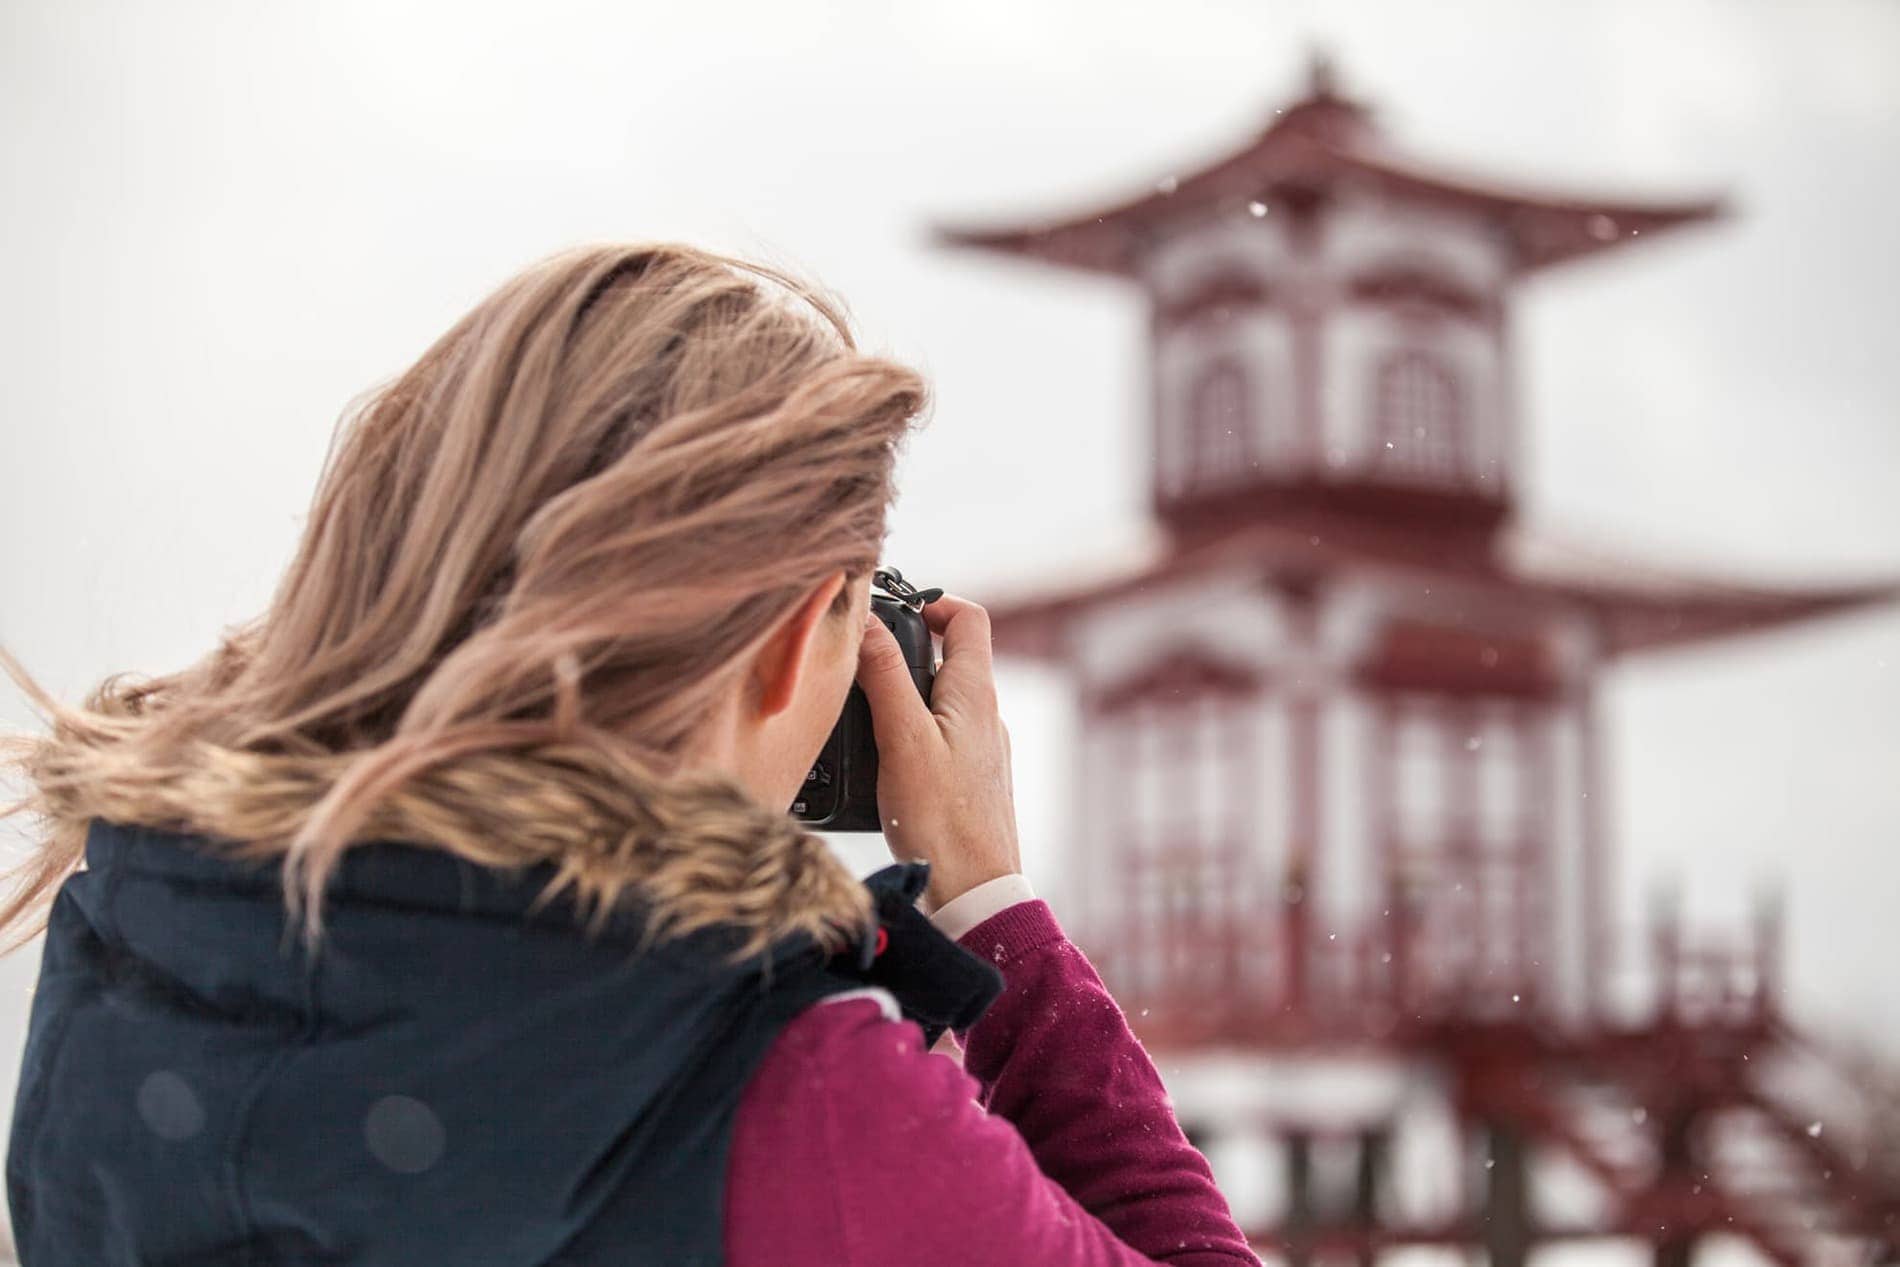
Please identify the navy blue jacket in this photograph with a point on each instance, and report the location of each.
(450, 1079)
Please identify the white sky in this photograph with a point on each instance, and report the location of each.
(221, 221)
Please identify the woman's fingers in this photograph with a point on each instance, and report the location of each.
(968, 669)
(964, 625)
(947, 798)
(899, 715)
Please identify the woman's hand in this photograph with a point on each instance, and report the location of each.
(943, 780)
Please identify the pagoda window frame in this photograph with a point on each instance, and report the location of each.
(1189, 717)
(1221, 451)
(1435, 690)
(1420, 406)
(1474, 886)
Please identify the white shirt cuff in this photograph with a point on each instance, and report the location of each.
(966, 910)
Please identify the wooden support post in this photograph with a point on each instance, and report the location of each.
(1397, 929)
(1368, 1182)
(1594, 819)
(1300, 1213)
(1505, 1225)
(1675, 1247)
(1296, 930)
(1304, 740)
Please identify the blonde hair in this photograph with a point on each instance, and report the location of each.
(533, 563)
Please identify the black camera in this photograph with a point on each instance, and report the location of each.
(840, 792)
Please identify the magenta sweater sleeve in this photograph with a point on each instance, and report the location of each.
(854, 1147)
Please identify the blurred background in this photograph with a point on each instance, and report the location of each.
(224, 221)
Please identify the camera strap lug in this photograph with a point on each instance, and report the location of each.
(892, 582)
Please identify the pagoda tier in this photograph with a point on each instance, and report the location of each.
(1330, 320)
(1628, 605)
(1322, 143)
(1339, 833)
(1403, 733)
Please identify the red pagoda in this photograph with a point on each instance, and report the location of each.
(1339, 759)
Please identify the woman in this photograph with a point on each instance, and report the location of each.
(450, 911)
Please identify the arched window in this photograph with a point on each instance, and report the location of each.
(1220, 424)
(1418, 419)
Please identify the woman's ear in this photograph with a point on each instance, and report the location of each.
(783, 658)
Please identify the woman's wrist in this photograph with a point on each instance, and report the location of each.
(977, 903)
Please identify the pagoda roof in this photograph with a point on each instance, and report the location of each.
(1320, 140)
(1638, 607)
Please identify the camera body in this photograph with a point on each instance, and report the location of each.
(840, 792)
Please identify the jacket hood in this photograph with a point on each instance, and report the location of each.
(585, 819)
